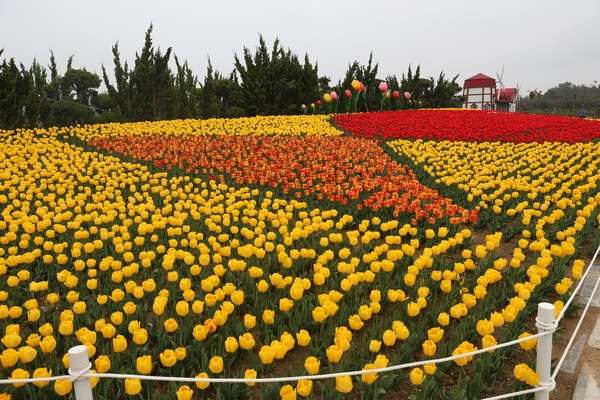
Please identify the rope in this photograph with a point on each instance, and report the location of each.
(545, 326)
(581, 319)
(81, 375)
(86, 374)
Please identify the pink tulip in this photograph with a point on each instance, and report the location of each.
(395, 94)
(334, 96)
(304, 106)
(407, 95)
(362, 88)
(348, 93)
(383, 87)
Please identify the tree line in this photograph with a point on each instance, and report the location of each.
(564, 99)
(268, 81)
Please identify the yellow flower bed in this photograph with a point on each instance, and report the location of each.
(165, 274)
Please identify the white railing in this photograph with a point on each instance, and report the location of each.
(80, 371)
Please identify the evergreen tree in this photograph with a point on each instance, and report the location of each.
(271, 81)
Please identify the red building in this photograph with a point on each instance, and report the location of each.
(480, 92)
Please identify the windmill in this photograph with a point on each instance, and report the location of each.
(499, 78)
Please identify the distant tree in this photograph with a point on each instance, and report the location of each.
(148, 92)
(271, 81)
(443, 93)
(13, 91)
(68, 112)
(209, 107)
(121, 93)
(184, 98)
(80, 85)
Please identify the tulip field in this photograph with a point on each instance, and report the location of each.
(291, 246)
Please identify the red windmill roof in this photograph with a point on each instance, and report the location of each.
(480, 80)
(507, 94)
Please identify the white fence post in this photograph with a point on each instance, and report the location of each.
(80, 363)
(545, 319)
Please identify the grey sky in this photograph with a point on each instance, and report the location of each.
(541, 43)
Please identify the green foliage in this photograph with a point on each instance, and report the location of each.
(564, 99)
(274, 83)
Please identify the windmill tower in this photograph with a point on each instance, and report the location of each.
(506, 98)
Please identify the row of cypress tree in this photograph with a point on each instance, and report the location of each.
(268, 81)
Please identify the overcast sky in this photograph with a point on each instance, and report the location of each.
(540, 43)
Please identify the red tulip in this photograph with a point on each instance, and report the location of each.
(348, 93)
(395, 94)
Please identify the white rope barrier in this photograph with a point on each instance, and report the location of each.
(89, 374)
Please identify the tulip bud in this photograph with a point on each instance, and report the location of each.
(133, 386)
(343, 384)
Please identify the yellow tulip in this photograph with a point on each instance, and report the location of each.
(231, 344)
(102, 364)
(488, 341)
(202, 385)
(246, 341)
(266, 354)
(268, 317)
(42, 373)
(429, 369)
(9, 358)
(312, 365)
(182, 308)
(33, 315)
(435, 334)
(446, 286)
(133, 386)
(287, 392)
(370, 377)
(119, 344)
(413, 309)
(416, 376)
(365, 312)
(485, 327)
(168, 358)
(250, 374)
(184, 393)
(33, 340)
(343, 384)
(355, 322)
(334, 353)
(27, 354)
(65, 328)
(429, 347)
(170, 325)
(62, 386)
(303, 338)
(285, 304)
(319, 314)
(304, 387)
(15, 312)
(522, 372)
(237, 297)
(528, 344)
(144, 365)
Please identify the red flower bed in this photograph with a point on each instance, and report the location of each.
(468, 125)
(340, 169)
